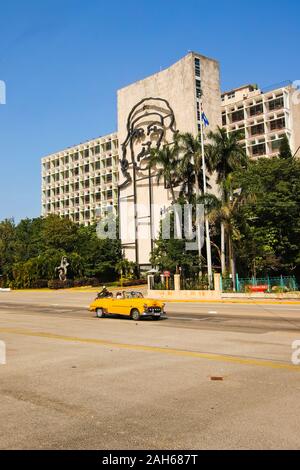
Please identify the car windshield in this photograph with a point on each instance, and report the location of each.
(133, 295)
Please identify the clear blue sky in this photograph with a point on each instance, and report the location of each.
(63, 60)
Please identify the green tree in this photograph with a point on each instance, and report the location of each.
(226, 154)
(165, 162)
(285, 149)
(270, 226)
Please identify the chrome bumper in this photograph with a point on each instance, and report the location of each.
(158, 315)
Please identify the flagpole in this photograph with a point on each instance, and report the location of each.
(208, 245)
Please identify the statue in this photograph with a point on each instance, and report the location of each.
(62, 269)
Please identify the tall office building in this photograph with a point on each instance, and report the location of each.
(81, 182)
(263, 117)
(150, 112)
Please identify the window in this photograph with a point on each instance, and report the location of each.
(108, 146)
(258, 129)
(259, 149)
(77, 200)
(86, 153)
(275, 144)
(109, 178)
(87, 199)
(97, 166)
(86, 168)
(97, 149)
(76, 186)
(224, 120)
(238, 116)
(257, 109)
(87, 183)
(109, 162)
(198, 89)
(98, 196)
(109, 194)
(278, 103)
(277, 124)
(197, 67)
(76, 171)
(76, 156)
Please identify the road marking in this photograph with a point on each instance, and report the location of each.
(188, 318)
(156, 349)
(213, 313)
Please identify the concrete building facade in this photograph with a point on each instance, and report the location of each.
(263, 117)
(150, 112)
(81, 182)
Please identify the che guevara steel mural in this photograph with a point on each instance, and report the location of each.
(148, 124)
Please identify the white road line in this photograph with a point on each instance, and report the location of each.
(188, 318)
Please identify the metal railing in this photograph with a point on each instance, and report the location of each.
(272, 284)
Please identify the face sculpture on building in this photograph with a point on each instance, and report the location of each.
(150, 124)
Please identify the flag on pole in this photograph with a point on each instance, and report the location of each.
(204, 119)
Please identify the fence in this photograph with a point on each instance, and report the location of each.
(273, 284)
(162, 284)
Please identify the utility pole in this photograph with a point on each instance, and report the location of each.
(208, 245)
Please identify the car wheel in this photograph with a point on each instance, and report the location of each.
(135, 314)
(100, 313)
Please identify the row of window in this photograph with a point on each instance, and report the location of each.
(255, 110)
(88, 166)
(260, 128)
(83, 154)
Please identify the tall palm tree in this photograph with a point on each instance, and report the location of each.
(190, 168)
(166, 161)
(226, 154)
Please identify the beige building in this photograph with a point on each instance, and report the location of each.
(150, 112)
(81, 182)
(263, 117)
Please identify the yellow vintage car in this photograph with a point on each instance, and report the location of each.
(131, 304)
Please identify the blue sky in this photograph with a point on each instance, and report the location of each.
(63, 60)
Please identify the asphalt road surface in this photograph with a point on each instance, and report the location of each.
(212, 376)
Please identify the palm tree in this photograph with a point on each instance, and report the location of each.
(226, 154)
(190, 168)
(165, 161)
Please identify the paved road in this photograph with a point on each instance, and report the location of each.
(75, 382)
(220, 317)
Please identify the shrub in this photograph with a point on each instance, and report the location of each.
(39, 284)
(87, 281)
(57, 284)
(134, 282)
